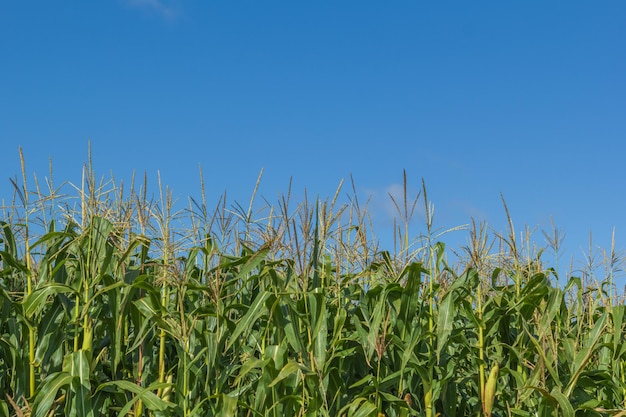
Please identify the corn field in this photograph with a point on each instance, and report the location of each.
(114, 304)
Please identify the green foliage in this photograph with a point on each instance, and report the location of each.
(297, 314)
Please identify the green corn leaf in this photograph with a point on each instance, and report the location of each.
(47, 393)
(445, 321)
(4, 409)
(320, 328)
(250, 262)
(289, 369)
(80, 405)
(256, 309)
(149, 399)
(49, 338)
(359, 407)
(618, 335)
(10, 246)
(248, 367)
(545, 359)
(565, 406)
(228, 406)
(410, 299)
(77, 364)
(37, 299)
(286, 317)
(584, 355)
(55, 237)
(150, 306)
(7, 258)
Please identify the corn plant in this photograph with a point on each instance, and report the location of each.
(114, 303)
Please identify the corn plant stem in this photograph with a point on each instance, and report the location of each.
(139, 404)
(433, 273)
(164, 303)
(517, 278)
(186, 348)
(481, 346)
(31, 331)
(164, 298)
(218, 330)
(31, 357)
(29, 283)
(400, 382)
(165, 200)
(162, 337)
(86, 285)
(185, 382)
(623, 377)
(379, 403)
(76, 319)
(310, 337)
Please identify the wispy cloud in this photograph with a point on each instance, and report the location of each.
(472, 211)
(384, 209)
(159, 7)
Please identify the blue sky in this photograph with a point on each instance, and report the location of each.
(527, 99)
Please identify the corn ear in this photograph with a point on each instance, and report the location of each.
(428, 401)
(88, 336)
(490, 390)
(168, 390)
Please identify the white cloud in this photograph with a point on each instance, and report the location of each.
(473, 212)
(384, 209)
(159, 7)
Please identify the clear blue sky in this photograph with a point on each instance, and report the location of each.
(523, 98)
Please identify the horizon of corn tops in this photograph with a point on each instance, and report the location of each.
(114, 303)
